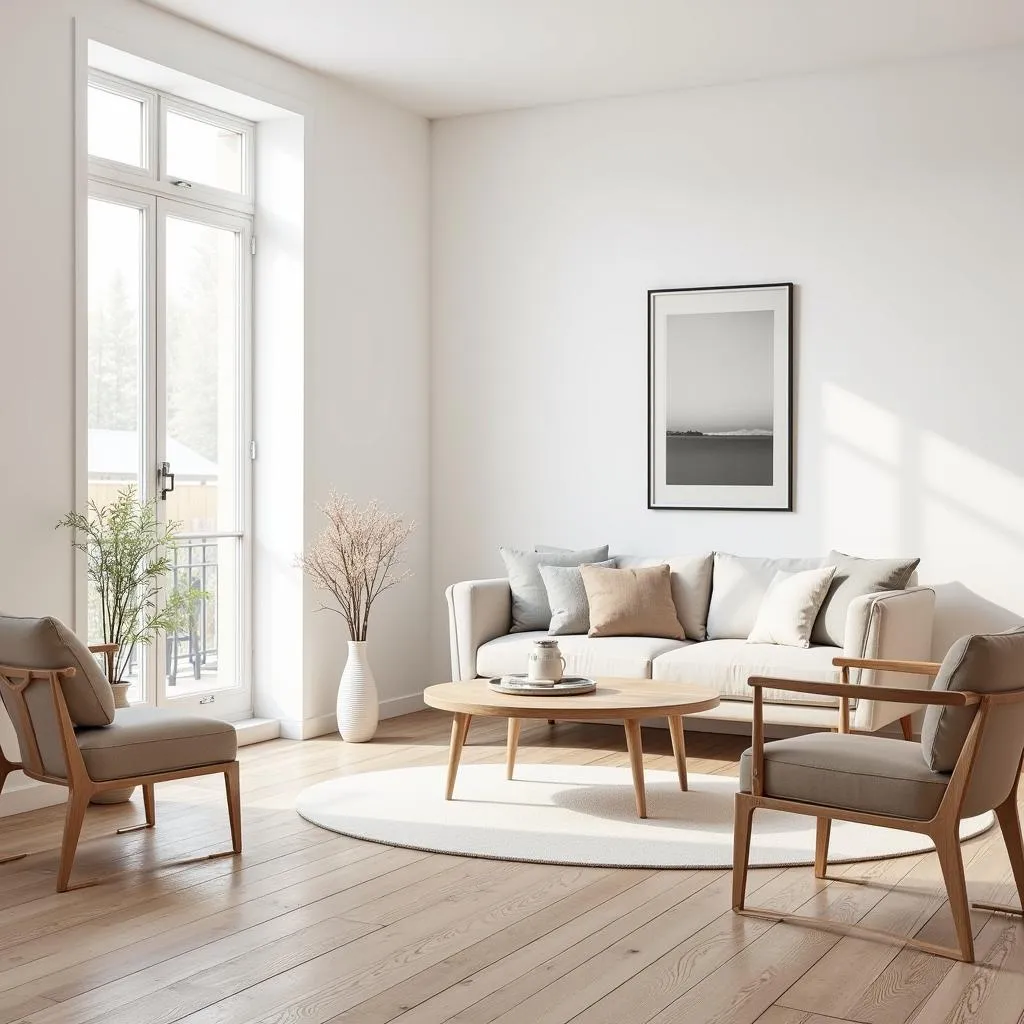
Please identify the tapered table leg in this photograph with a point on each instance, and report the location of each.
(636, 763)
(460, 727)
(675, 728)
(514, 725)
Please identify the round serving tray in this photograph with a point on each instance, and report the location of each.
(519, 685)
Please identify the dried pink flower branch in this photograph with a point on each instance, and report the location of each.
(356, 557)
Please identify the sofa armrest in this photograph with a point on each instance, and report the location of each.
(478, 611)
(895, 625)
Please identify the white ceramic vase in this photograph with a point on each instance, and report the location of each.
(358, 709)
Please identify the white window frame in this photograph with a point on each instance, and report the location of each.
(154, 177)
(158, 195)
(114, 169)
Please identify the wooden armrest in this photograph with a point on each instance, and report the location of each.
(945, 698)
(104, 648)
(916, 668)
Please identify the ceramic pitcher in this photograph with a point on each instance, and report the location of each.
(546, 661)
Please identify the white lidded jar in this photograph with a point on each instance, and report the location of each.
(546, 661)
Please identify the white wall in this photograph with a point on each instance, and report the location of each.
(893, 197)
(364, 351)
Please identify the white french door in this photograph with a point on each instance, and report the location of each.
(169, 411)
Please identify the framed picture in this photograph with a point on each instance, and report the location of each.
(720, 398)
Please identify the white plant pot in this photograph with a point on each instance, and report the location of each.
(116, 796)
(358, 708)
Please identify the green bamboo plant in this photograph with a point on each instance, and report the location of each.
(127, 560)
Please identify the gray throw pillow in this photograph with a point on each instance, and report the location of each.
(856, 577)
(530, 608)
(570, 610)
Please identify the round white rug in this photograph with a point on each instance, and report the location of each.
(583, 815)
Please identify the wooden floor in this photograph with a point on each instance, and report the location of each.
(313, 927)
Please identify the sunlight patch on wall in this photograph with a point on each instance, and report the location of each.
(861, 487)
(971, 523)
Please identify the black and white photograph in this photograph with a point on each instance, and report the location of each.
(720, 401)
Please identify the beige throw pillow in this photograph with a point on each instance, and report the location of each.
(790, 606)
(631, 602)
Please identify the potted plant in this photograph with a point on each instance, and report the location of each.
(355, 559)
(127, 561)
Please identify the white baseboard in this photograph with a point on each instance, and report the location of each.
(407, 705)
(322, 725)
(257, 730)
(22, 794)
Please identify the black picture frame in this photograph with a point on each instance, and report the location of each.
(778, 497)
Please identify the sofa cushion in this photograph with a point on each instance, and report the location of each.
(570, 610)
(726, 665)
(147, 741)
(48, 643)
(857, 772)
(856, 577)
(629, 657)
(790, 606)
(631, 602)
(737, 587)
(691, 587)
(530, 608)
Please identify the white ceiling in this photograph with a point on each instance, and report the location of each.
(447, 57)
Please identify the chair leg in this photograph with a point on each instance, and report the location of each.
(947, 846)
(1009, 825)
(907, 725)
(742, 817)
(7, 768)
(821, 838)
(149, 800)
(234, 806)
(73, 819)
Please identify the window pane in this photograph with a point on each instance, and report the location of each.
(204, 153)
(115, 127)
(202, 442)
(116, 281)
(204, 445)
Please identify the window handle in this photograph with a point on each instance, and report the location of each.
(165, 480)
(181, 183)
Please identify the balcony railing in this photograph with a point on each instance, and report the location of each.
(194, 649)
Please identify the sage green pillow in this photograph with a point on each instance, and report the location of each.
(856, 577)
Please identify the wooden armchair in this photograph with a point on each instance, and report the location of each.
(968, 762)
(62, 710)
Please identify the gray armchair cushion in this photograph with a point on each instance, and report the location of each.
(856, 772)
(47, 643)
(147, 741)
(979, 663)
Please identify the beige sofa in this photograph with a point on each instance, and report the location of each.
(895, 624)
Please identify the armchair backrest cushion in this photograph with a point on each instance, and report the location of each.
(47, 643)
(980, 663)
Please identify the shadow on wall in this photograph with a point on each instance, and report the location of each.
(894, 483)
(959, 610)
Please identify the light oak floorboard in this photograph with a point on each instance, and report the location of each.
(308, 926)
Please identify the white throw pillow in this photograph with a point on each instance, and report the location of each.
(790, 606)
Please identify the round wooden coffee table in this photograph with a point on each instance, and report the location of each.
(628, 700)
